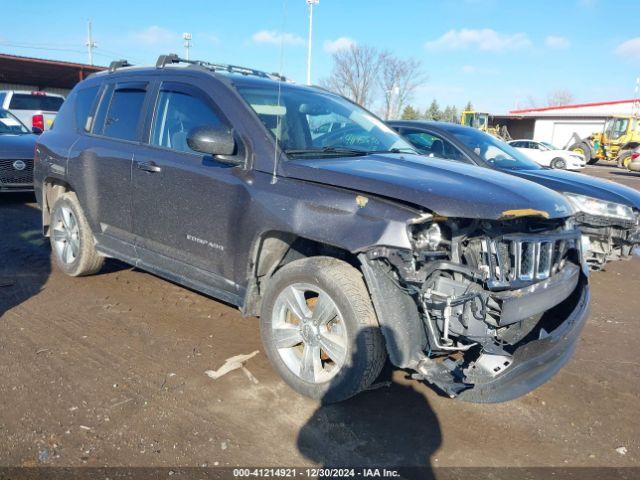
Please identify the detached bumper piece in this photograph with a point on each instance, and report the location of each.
(517, 305)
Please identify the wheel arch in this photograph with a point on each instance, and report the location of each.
(274, 249)
(52, 189)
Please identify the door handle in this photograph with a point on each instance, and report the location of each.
(148, 167)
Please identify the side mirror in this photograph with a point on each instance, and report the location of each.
(36, 130)
(212, 140)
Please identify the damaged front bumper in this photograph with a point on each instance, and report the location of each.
(535, 362)
(485, 329)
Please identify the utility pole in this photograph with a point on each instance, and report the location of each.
(90, 43)
(187, 43)
(311, 3)
(635, 106)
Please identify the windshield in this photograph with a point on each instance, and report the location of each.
(312, 122)
(549, 146)
(493, 151)
(10, 125)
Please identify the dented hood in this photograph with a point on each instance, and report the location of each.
(444, 187)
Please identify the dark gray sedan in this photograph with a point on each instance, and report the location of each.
(17, 144)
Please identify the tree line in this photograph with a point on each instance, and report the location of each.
(450, 113)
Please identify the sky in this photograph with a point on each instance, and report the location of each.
(499, 55)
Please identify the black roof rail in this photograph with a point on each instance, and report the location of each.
(113, 66)
(163, 60)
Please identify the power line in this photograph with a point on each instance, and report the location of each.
(36, 47)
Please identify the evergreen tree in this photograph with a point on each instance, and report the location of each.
(433, 112)
(455, 115)
(446, 115)
(410, 113)
(469, 106)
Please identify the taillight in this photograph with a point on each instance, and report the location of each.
(635, 155)
(37, 121)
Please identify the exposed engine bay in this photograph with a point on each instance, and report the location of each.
(481, 289)
(607, 239)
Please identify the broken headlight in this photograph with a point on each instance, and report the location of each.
(599, 208)
(425, 235)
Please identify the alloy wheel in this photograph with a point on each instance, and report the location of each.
(309, 333)
(66, 235)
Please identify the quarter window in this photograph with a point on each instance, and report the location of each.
(177, 113)
(124, 113)
(84, 105)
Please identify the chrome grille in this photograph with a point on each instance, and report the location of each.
(520, 259)
(9, 175)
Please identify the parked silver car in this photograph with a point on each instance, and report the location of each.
(34, 109)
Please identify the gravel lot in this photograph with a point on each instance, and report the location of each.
(109, 370)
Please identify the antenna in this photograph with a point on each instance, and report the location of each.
(90, 43)
(311, 3)
(187, 43)
(274, 173)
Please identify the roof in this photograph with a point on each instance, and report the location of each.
(238, 79)
(575, 105)
(43, 72)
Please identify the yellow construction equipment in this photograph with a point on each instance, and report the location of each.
(616, 141)
(480, 120)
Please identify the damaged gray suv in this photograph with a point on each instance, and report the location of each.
(302, 208)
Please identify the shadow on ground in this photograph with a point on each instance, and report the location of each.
(391, 426)
(24, 252)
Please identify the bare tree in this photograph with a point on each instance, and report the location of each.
(398, 80)
(559, 97)
(354, 73)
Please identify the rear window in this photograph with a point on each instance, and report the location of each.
(26, 101)
(84, 107)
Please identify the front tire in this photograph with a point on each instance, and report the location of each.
(583, 148)
(71, 238)
(559, 163)
(319, 329)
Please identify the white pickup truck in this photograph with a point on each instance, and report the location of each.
(35, 109)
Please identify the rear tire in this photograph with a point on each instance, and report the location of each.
(559, 163)
(624, 159)
(71, 238)
(294, 333)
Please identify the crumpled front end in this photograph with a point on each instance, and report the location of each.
(484, 310)
(608, 239)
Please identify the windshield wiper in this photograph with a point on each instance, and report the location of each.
(326, 151)
(395, 150)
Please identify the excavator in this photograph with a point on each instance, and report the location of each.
(480, 120)
(616, 141)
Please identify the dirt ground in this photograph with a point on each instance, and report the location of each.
(109, 370)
